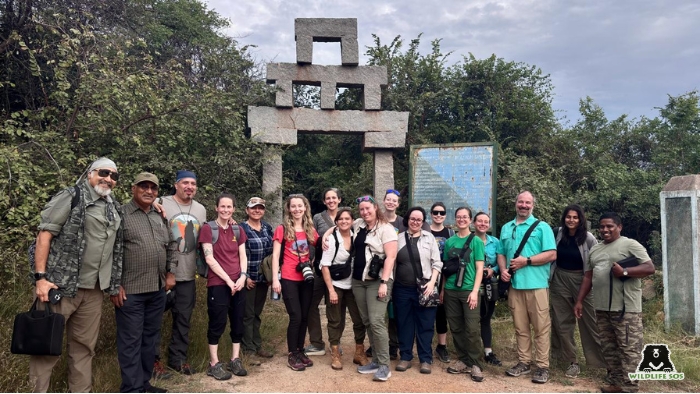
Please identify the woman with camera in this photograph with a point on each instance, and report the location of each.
(464, 259)
(482, 223)
(336, 267)
(294, 240)
(418, 265)
(226, 258)
(573, 244)
(375, 253)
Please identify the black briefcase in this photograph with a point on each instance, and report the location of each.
(38, 332)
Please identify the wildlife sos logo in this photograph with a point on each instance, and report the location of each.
(656, 364)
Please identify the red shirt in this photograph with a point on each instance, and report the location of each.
(225, 253)
(293, 252)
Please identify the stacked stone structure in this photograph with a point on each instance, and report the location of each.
(382, 131)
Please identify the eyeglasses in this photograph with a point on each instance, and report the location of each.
(462, 218)
(415, 220)
(107, 173)
(439, 213)
(146, 186)
(365, 198)
(393, 191)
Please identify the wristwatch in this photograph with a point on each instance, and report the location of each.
(39, 275)
(624, 272)
(529, 261)
(382, 281)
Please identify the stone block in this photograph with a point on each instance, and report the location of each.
(382, 129)
(383, 172)
(370, 78)
(310, 30)
(272, 184)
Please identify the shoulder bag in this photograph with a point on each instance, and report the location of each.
(38, 332)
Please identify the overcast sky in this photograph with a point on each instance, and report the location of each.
(628, 55)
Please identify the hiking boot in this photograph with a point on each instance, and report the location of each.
(572, 371)
(518, 369)
(458, 367)
(477, 375)
(312, 350)
(611, 389)
(492, 359)
(393, 353)
(372, 367)
(541, 376)
(426, 368)
(236, 366)
(368, 352)
(154, 389)
(336, 362)
(360, 357)
(305, 359)
(218, 372)
(294, 363)
(383, 374)
(442, 353)
(403, 365)
(159, 371)
(184, 369)
(264, 353)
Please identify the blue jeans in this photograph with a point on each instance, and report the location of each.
(138, 324)
(414, 323)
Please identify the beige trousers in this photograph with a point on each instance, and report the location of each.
(82, 314)
(531, 307)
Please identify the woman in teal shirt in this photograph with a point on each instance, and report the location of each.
(462, 303)
(482, 223)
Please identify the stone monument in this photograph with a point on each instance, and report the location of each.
(680, 244)
(382, 131)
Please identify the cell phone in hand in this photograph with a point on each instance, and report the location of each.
(55, 296)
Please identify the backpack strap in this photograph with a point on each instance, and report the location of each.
(76, 197)
(467, 246)
(214, 231)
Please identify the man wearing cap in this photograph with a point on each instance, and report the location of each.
(149, 257)
(185, 218)
(78, 256)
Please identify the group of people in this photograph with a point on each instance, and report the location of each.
(402, 279)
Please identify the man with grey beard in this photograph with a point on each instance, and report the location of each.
(78, 256)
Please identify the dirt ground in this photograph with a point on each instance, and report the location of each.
(273, 375)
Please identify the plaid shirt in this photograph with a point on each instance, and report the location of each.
(257, 247)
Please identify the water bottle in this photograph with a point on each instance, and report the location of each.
(460, 274)
(275, 296)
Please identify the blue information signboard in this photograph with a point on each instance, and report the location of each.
(456, 174)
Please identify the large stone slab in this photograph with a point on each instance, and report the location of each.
(383, 172)
(370, 78)
(381, 129)
(310, 30)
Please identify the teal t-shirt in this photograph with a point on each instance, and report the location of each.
(453, 247)
(541, 240)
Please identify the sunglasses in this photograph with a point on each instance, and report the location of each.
(365, 198)
(296, 195)
(393, 191)
(107, 173)
(439, 213)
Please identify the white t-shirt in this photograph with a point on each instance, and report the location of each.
(342, 257)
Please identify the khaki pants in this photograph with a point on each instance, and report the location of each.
(531, 307)
(82, 314)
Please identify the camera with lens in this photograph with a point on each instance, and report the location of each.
(486, 273)
(375, 265)
(307, 271)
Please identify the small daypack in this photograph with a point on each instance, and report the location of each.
(202, 266)
(341, 271)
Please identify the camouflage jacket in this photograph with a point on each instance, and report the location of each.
(66, 252)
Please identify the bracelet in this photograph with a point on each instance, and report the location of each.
(246, 274)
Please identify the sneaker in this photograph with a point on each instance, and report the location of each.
(294, 362)
(305, 359)
(218, 372)
(368, 352)
(403, 365)
(236, 367)
(477, 375)
(572, 371)
(458, 367)
(518, 369)
(442, 353)
(372, 367)
(264, 353)
(159, 371)
(312, 350)
(393, 353)
(541, 376)
(383, 374)
(426, 368)
(154, 389)
(492, 359)
(184, 369)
